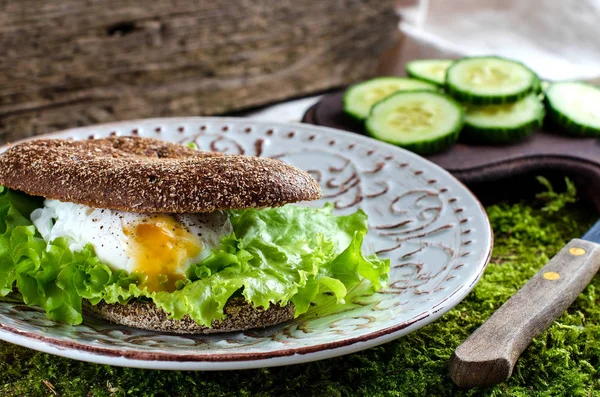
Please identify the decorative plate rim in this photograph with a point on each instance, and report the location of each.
(168, 360)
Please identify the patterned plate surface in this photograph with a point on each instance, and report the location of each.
(431, 227)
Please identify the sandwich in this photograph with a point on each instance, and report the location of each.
(161, 236)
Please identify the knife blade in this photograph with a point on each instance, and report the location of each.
(593, 234)
(488, 356)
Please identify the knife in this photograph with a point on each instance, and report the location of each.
(489, 355)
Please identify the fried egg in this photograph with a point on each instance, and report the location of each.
(160, 247)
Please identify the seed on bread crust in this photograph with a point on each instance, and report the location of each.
(241, 315)
(146, 175)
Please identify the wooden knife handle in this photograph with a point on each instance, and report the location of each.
(488, 356)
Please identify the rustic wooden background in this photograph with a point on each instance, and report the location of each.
(68, 63)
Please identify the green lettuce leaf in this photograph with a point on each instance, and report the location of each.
(278, 255)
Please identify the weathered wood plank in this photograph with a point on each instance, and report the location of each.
(70, 62)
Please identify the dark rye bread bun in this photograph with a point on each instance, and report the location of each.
(240, 316)
(147, 175)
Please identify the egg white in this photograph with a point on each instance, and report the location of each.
(106, 231)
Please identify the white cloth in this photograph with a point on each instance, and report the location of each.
(559, 39)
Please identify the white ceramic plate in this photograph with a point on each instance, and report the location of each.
(432, 228)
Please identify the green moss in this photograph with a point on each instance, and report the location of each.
(564, 360)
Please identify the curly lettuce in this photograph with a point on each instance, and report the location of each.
(278, 255)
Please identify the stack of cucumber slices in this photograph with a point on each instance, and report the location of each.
(485, 100)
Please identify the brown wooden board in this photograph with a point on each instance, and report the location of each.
(68, 63)
(482, 166)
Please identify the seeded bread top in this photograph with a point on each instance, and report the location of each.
(146, 175)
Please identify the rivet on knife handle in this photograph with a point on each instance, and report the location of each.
(488, 356)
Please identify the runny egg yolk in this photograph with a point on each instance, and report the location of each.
(160, 247)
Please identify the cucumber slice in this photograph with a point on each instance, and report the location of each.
(359, 98)
(544, 85)
(539, 87)
(430, 70)
(574, 106)
(489, 80)
(504, 123)
(421, 121)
